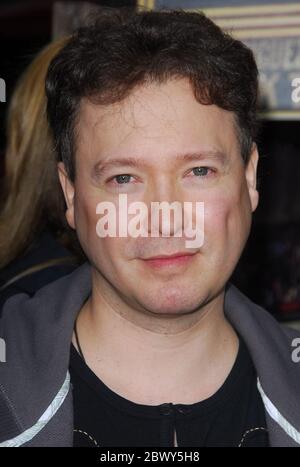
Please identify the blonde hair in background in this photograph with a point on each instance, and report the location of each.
(31, 194)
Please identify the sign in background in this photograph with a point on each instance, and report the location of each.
(272, 29)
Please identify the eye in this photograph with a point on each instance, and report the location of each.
(122, 179)
(201, 171)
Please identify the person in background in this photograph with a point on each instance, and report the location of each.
(36, 244)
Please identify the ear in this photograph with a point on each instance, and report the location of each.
(68, 190)
(251, 177)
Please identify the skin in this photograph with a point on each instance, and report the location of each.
(157, 335)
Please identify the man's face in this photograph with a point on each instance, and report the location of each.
(154, 128)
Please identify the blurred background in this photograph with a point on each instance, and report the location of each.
(269, 270)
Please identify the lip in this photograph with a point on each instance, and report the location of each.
(176, 259)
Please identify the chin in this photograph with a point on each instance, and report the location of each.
(171, 303)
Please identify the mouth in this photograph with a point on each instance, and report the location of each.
(174, 260)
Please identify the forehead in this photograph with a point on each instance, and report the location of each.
(156, 119)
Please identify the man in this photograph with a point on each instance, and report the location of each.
(161, 349)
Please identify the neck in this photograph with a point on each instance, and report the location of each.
(152, 359)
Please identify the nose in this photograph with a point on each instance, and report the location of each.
(165, 209)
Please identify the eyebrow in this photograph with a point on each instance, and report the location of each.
(101, 168)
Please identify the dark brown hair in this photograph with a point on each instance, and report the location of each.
(121, 50)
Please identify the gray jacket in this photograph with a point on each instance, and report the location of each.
(36, 406)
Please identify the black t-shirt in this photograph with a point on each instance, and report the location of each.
(233, 416)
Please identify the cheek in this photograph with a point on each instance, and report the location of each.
(86, 220)
(100, 250)
(228, 219)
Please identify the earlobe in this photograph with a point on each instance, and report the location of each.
(68, 190)
(251, 177)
